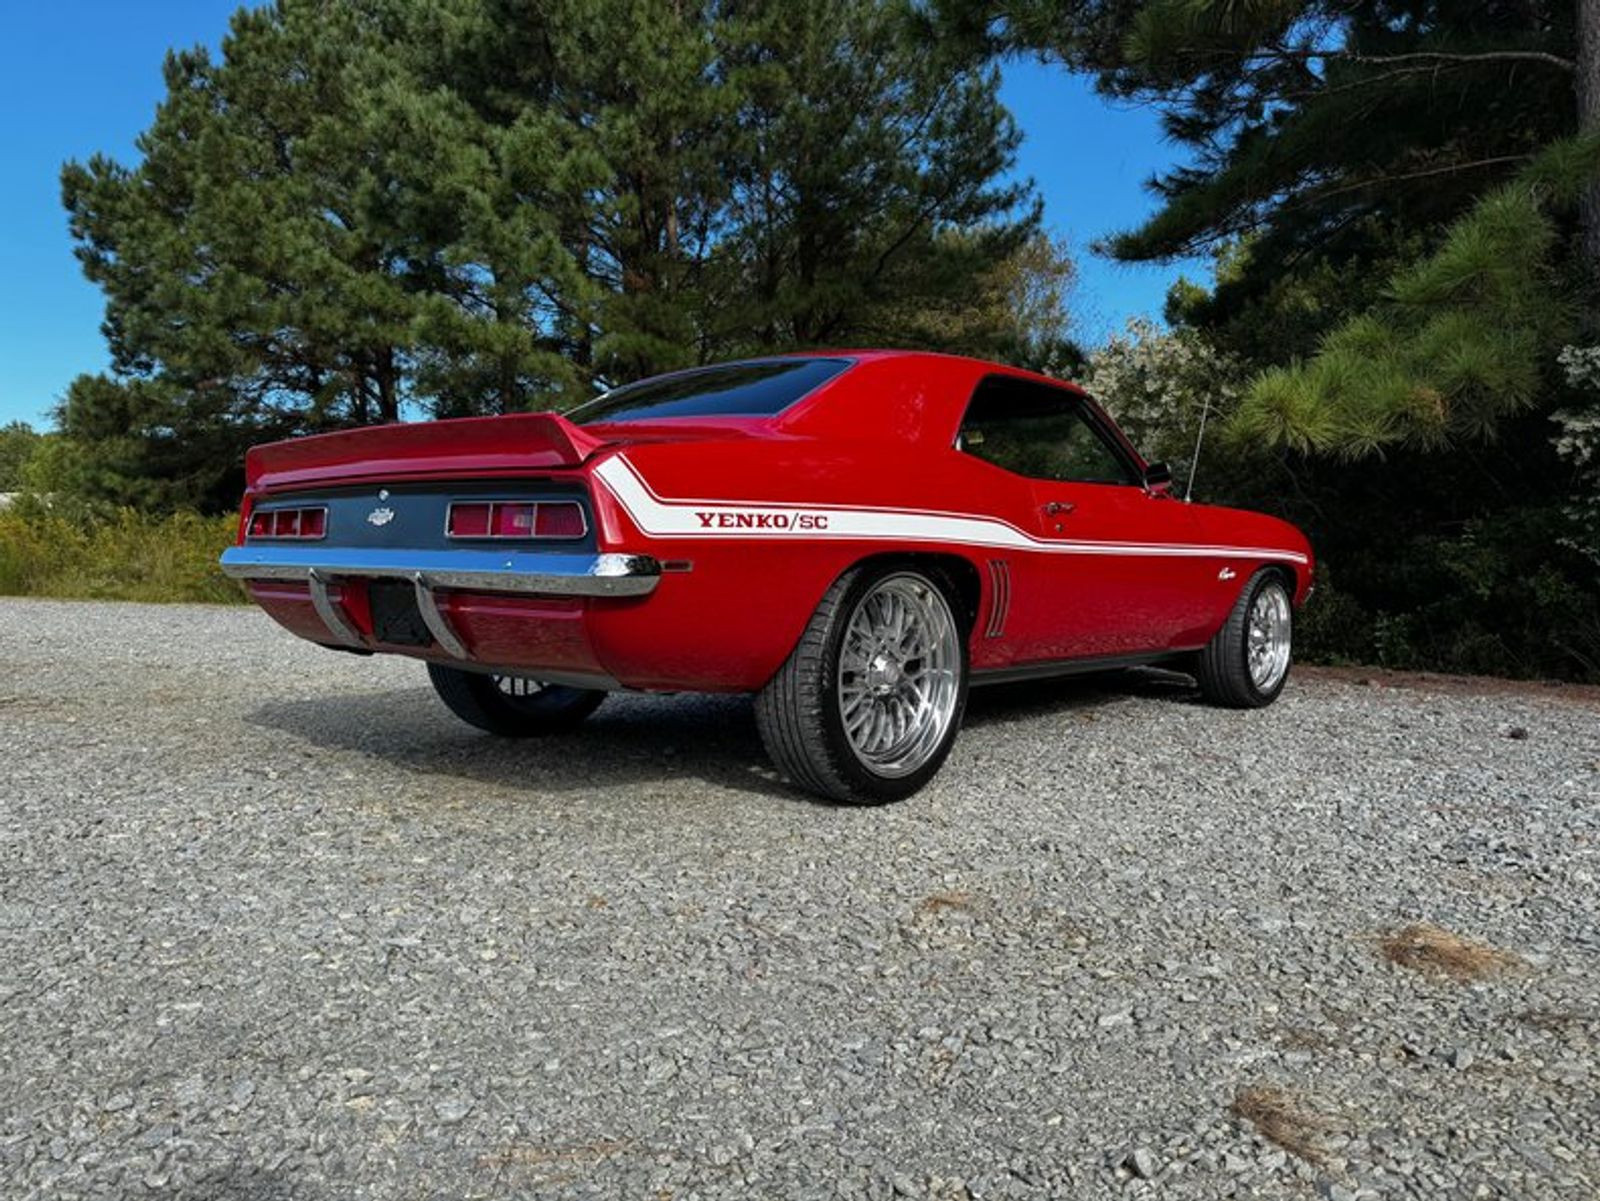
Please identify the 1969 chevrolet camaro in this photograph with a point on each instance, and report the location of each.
(855, 537)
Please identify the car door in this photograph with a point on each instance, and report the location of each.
(1099, 577)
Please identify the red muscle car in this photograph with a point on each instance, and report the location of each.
(855, 537)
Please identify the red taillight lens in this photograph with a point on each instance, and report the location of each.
(559, 520)
(469, 521)
(516, 519)
(289, 523)
(511, 521)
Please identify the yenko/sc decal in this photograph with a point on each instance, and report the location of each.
(761, 521)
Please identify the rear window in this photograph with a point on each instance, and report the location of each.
(757, 389)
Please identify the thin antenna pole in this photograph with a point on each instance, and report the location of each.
(1194, 463)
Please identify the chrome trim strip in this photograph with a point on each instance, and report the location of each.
(433, 617)
(1000, 597)
(341, 629)
(527, 572)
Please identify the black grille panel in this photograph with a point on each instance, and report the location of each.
(395, 616)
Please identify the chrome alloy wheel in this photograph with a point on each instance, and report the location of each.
(899, 675)
(519, 691)
(518, 688)
(1267, 636)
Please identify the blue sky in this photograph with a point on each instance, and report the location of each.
(80, 78)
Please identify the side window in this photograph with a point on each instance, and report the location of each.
(1040, 432)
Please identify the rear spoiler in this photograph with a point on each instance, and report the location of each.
(519, 442)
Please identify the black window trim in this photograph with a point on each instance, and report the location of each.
(1086, 406)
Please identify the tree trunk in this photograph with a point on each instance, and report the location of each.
(388, 390)
(1588, 81)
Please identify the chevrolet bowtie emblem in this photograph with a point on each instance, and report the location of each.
(382, 515)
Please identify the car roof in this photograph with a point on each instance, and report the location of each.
(834, 409)
(879, 353)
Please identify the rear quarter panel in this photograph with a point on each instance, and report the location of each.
(741, 597)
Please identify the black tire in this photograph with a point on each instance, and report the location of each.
(1223, 666)
(481, 700)
(800, 714)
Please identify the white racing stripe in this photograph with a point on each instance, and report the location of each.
(683, 518)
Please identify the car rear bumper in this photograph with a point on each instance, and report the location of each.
(529, 573)
(330, 575)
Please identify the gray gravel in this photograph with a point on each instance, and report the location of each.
(273, 924)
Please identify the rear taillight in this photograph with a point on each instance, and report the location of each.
(516, 519)
(289, 523)
(469, 521)
(564, 520)
(511, 521)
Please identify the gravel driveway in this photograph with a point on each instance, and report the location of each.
(274, 925)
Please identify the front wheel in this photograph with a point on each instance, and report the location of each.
(1246, 664)
(866, 708)
(512, 706)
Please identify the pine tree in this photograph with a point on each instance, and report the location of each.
(373, 209)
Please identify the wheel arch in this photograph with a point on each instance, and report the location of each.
(1295, 577)
(959, 573)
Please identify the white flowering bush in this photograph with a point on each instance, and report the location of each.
(1578, 442)
(1157, 382)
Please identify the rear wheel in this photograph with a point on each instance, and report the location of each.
(1246, 664)
(512, 706)
(866, 708)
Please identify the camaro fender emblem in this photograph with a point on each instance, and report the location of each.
(382, 515)
(1227, 573)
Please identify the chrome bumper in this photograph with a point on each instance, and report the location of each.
(482, 571)
(524, 572)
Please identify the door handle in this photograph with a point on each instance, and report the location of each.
(1057, 508)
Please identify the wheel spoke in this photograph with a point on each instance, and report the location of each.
(898, 676)
(1268, 636)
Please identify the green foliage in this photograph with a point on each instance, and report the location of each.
(1391, 195)
(68, 550)
(18, 444)
(1333, 627)
(367, 209)
(1327, 135)
(1464, 338)
(1497, 598)
(1281, 412)
(1019, 309)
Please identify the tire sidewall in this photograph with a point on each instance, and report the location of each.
(476, 699)
(867, 785)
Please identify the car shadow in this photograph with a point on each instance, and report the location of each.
(632, 739)
(638, 739)
(995, 703)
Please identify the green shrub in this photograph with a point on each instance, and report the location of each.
(75, 551)
(1333, 627)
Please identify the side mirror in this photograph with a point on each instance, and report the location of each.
(1158, 477)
